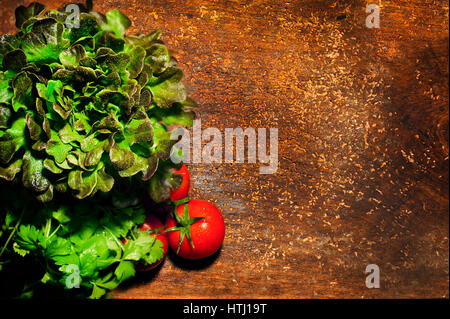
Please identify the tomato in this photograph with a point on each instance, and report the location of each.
(206, 234)
(183, 190)
(152, 222)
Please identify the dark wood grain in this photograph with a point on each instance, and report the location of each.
(363, 145)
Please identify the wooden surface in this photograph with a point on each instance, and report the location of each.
(363, 145)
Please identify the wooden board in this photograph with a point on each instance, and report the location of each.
(362, 118)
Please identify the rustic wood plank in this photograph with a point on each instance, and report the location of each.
(363, 145)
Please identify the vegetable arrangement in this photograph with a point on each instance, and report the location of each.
(86, 115)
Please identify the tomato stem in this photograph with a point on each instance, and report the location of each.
(184, 222)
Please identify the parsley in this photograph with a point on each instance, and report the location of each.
(72, 238)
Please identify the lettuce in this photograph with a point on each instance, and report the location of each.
(89, 109)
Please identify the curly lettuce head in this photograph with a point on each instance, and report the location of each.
(84, 109)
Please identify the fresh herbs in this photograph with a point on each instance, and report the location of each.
(86, 115)
(81, 245)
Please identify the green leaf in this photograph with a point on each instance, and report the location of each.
(110, 123)
(45, 122)
(84, 74)
(65, 261)
(22, 85)
(107, 282)
(50, 92)
(85, 230)
(120, 222)
(97, 292)
(58, 246)
(39, 146)
(94, 156)
(81, 123)
(158, 58)
(125, 270)
(12, 140)
(12, 41)
(10, 218)
(83, 182)
(137, 55)
(33, 127)
(104, 181)
(61, 214)
(64, 75)
(6, 91)
(162, 142)
(116, 22)
(120, 99)
(107, 39)
(51, 166)
(162, 182)
(68, 135)
(143, 40)
(14, 60)
(89, 143)
(121, 157)
(46, 196)
(57, 15)
(146, 165)
(168, 88)
(71, 57)
(9, 173)
(25, 13)
(61, 111)
(89, 26)
(56, 148)
(139, 128)
(111, 81)
(28, 237)
(45, 41)
(32, 176)
(176, 115)
(156, 253)
(88, 264)
(136, 249)
(20, 251)
(5, 47)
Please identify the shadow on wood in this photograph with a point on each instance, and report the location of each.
(193, 264)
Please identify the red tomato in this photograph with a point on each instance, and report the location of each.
(207, 234)
(183, 190)
(152, 222)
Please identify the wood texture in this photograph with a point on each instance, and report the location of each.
(362, 116)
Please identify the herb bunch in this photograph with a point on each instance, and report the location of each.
(76, 245)
(86, 116)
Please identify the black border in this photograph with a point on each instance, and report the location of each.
(275, 308)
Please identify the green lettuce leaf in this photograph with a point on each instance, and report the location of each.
(89, 109)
